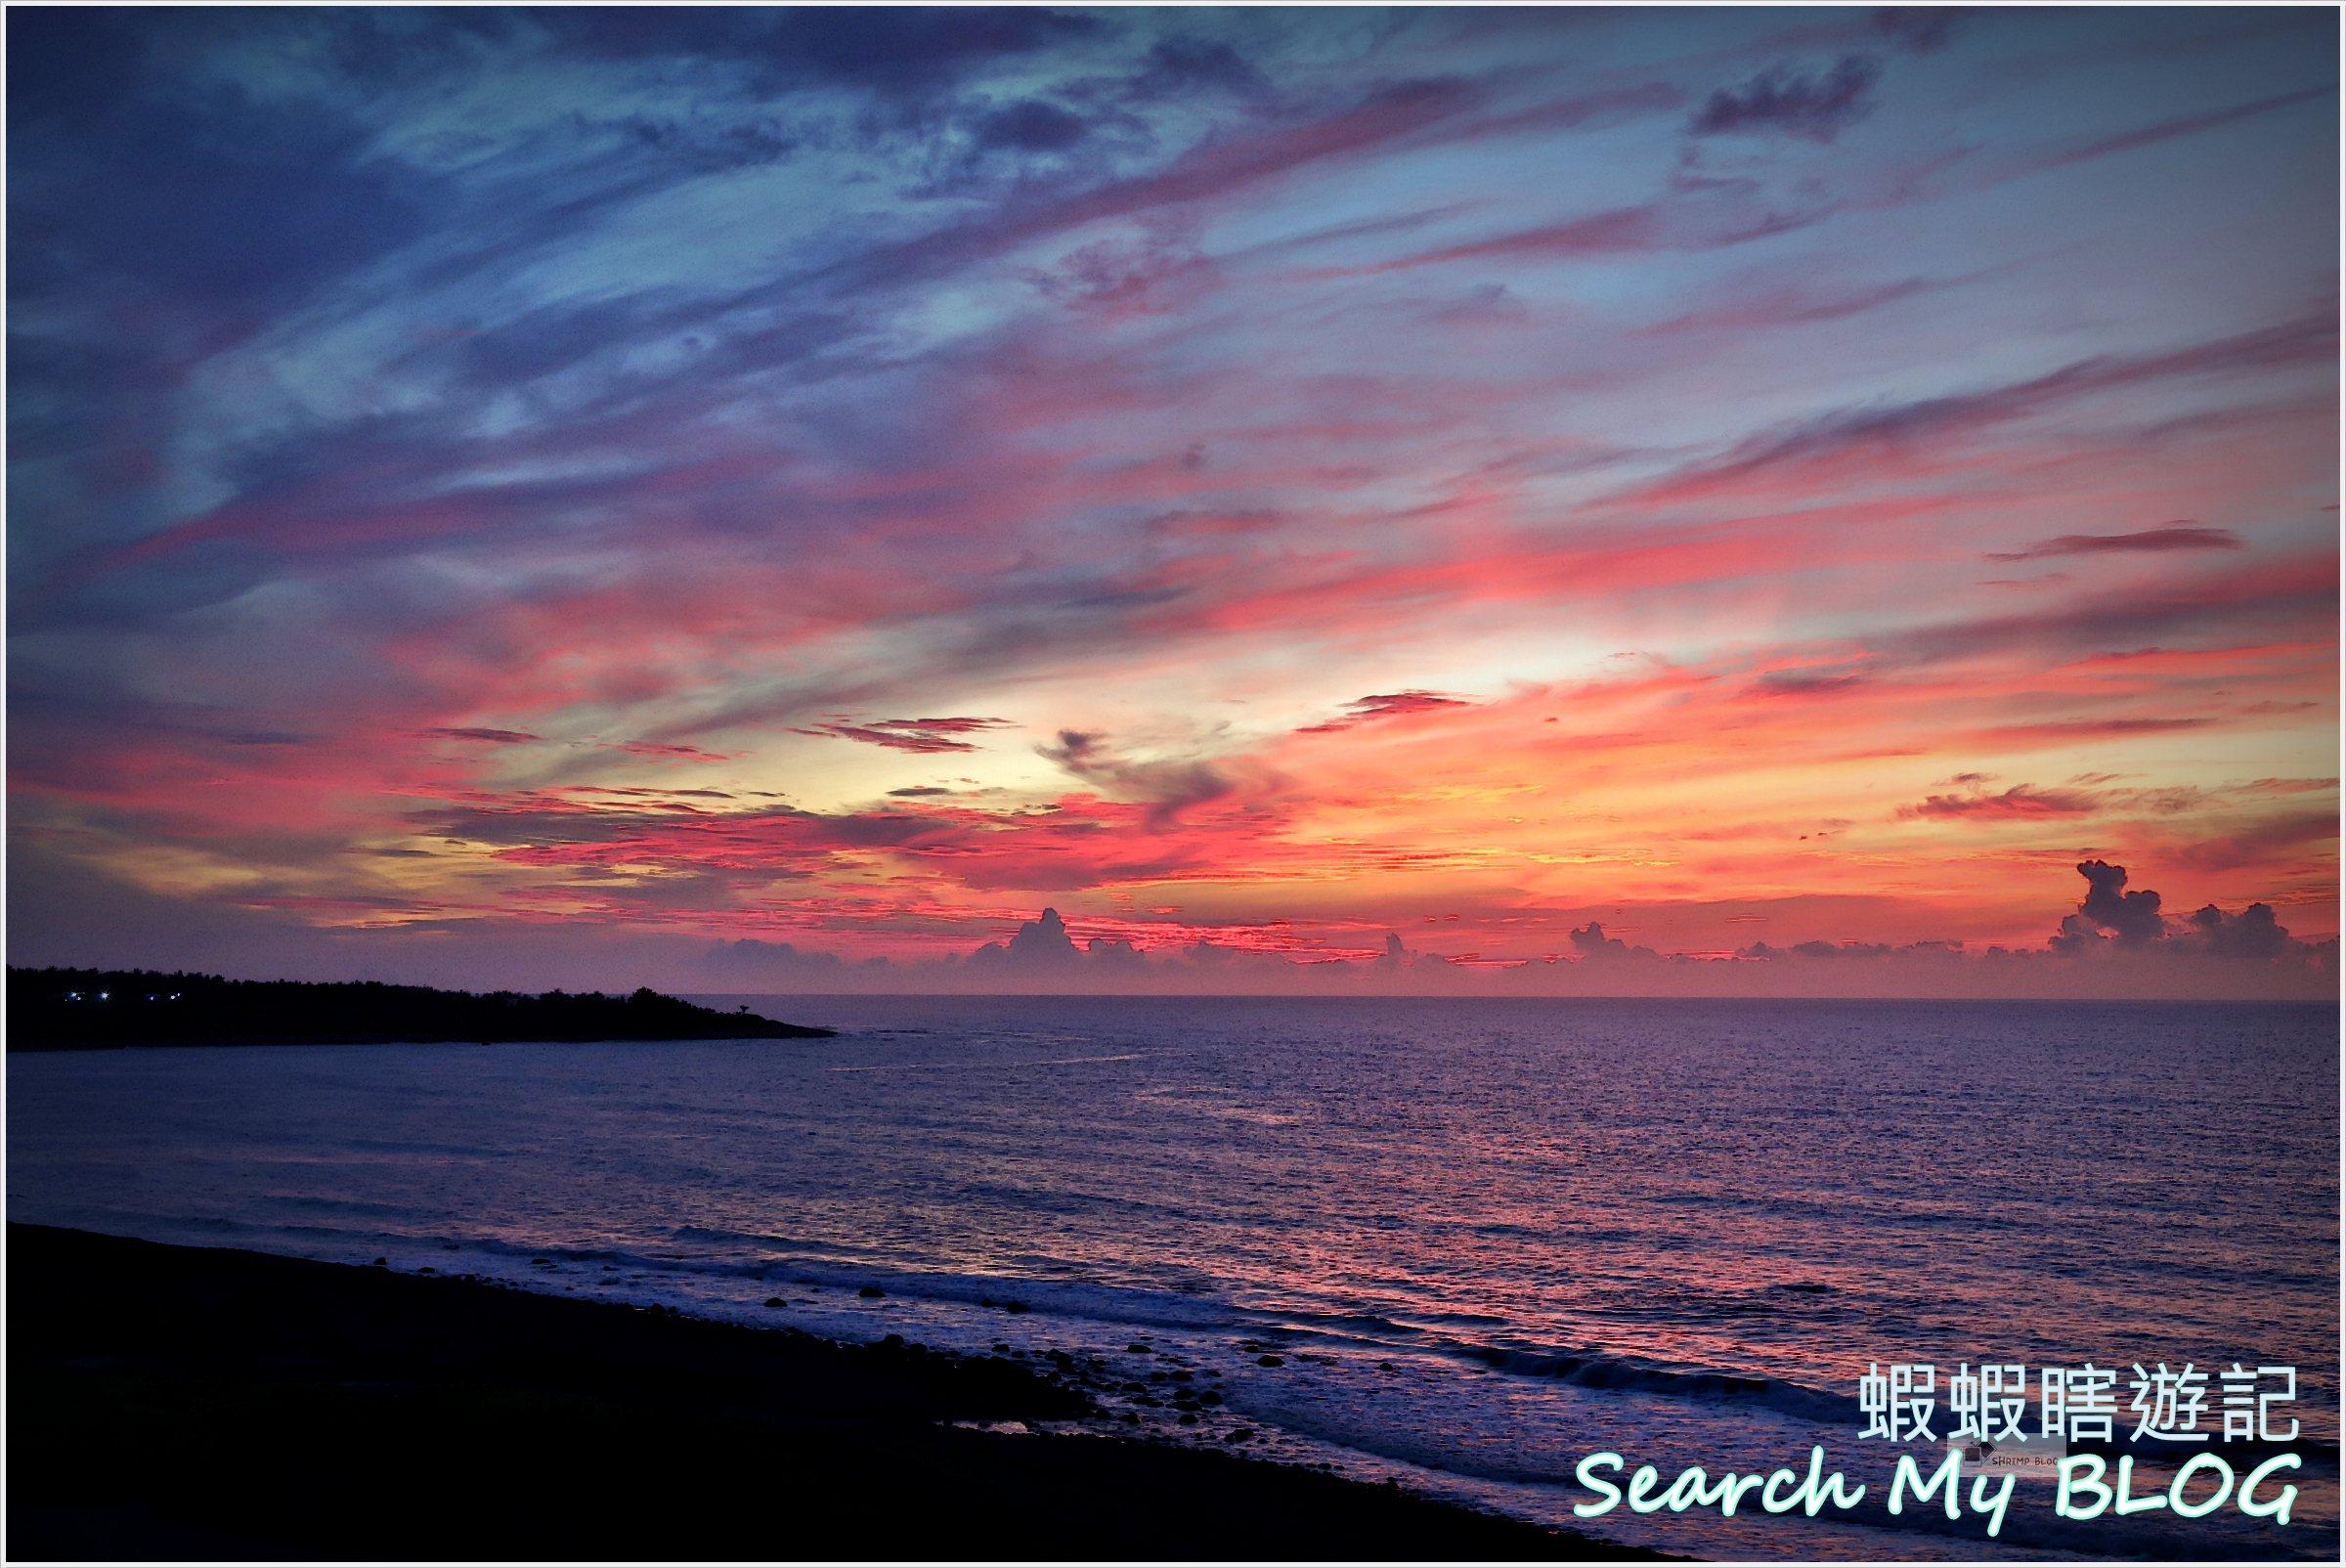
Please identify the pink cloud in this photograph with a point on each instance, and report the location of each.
(675, 754)
(504, 737)
(2021, 800)
(1390, 705)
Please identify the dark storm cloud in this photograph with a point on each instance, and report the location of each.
(2177, 535)
(1816, 108)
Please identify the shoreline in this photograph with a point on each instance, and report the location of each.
(207, 1403)
(101, 1009)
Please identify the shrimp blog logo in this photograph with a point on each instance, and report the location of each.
(1987, 1419)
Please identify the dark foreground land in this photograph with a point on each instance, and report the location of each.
(180, 1403)
(98, 1009)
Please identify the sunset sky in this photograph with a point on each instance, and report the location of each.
(571, 488)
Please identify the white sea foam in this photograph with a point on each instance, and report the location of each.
(1483, 1240)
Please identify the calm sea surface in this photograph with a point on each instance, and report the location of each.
(1486, 1240)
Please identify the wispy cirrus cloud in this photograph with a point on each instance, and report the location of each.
(1389, 704)
(925, 735)
(464, 423)
(498, 737)
(668, 753)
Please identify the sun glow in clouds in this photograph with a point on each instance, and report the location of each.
(608, 484)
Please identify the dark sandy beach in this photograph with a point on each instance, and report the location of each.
(192, 1403)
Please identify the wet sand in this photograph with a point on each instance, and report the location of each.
(181, 1403)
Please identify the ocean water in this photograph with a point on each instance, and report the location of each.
(1485, 1240)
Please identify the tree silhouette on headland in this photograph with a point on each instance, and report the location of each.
(87, 1008)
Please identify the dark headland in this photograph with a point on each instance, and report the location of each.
(96, 1008)
(185, 1403)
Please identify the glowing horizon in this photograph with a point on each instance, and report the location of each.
(599, 485)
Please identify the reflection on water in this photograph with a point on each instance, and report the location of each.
(1520, 1230)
